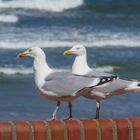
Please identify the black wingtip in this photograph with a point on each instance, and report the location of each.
(138, 84)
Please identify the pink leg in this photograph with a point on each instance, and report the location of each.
(55, 111)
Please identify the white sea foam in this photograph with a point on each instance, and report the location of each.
(70, 38)
(27, 71)
(48, 5)
(14, 71)
(95, 42)
(8, 18)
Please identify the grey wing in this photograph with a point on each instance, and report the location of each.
(95, 73)
(115, 85)
(67, 84)
(99, 73)
(102, 79)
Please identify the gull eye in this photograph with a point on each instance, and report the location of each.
(78, 48)
(30, 50)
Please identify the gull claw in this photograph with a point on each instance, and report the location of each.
(69, 118)
(95, 118)
(52, 119)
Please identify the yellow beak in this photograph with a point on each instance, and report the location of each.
(67, 52)
(21, 55)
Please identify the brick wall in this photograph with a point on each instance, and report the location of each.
(102, 129)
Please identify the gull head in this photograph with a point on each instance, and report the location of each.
(77, 50)
(32, 52)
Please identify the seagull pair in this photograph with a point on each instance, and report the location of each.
(82, 81)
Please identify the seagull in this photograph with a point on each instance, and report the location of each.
(57, 86)
(110, 85)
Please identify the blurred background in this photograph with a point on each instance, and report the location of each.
(110, 29)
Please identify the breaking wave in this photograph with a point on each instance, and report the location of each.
(8, 18)
(27, 71)
(68, 40)
(14, 71)
(48, 5)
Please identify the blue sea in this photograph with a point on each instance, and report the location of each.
(110, 29)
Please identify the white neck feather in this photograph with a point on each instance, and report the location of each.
(41, 70)
(80, 65)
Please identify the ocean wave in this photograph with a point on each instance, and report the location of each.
(68, 40)
(27, 71)
(15, 71)
(113, 5)
(8, 18)
(48, 5)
